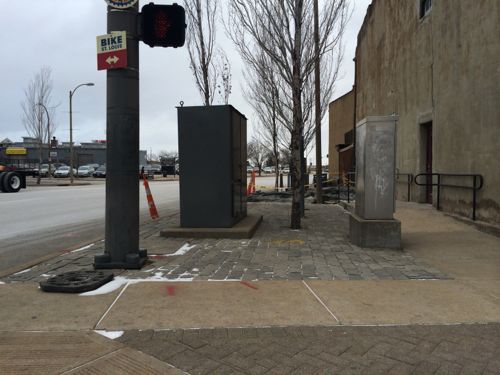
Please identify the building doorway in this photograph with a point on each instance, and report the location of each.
(427, 158)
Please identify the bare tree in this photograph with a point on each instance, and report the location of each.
(151, 157)
(262, 94)
(224, 67)
(170, 154)
(256, 152)
(202, 15)
(283, 31)
(36, 106)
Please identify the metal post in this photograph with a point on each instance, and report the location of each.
(71, 136)
(348, 189)
(122, 153)
(409, 186)
(474, 199)
(71, 93)
(438, 190)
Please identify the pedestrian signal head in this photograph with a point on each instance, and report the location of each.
(163, 25)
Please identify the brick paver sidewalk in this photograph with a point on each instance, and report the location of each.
(426, 350)
(320, 250)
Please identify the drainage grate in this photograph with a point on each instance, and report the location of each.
(76, 281)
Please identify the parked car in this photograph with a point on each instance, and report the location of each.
(63, 171)
(44, 170)
(155, 168)
(100, 172)
(85, 171)
(250, 169)
(268, 169)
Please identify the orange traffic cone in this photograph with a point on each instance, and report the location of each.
(253, 182)
(151, 203)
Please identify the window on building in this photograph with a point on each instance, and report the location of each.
(425, 7)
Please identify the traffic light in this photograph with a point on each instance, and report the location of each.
(163, 25)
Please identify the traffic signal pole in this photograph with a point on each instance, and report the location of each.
(122, 152)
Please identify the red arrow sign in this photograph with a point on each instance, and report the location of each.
(112, 60)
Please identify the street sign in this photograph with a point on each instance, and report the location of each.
(53, 154)
(112, 50)
(121, 4)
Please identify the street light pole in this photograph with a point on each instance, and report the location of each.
(71, 93)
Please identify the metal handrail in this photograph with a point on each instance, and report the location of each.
(477, 184)
(409, 181)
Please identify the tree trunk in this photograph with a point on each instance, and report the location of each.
(296, 169)
(317, 99)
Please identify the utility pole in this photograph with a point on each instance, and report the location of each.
(122, 151)
(317, 107)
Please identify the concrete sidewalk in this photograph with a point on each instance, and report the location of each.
(283, 302)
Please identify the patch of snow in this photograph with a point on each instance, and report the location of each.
(23, 271)
(45, 275)
(113, 285)
(83, 248)
(196, 270)
(183, 250)
(2, 283)
(119, 281)
(109, 334)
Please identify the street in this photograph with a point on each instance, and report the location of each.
(40, 222)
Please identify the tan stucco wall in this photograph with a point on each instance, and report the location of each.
(443, 68)
(340, 121)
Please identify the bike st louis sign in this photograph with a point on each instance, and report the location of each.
(121, 4)
(112, 50)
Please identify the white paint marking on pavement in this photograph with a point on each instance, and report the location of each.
(320, 301)
(2, 283)
(83, 248)
(109, 334)
(23, 271)
(111, 306)
(183, 250)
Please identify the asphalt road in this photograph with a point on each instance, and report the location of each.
(40, 222)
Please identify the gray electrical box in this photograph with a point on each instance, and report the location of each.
(212, 165)
(375, 167)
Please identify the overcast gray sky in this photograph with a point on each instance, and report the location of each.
(62, 34)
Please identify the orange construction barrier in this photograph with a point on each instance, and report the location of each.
(251, 185)
(151, 203)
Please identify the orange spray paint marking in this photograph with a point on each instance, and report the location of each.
(246, 283)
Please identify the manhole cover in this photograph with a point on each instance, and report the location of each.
(76, 281)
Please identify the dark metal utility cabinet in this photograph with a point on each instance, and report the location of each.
(212, 164)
